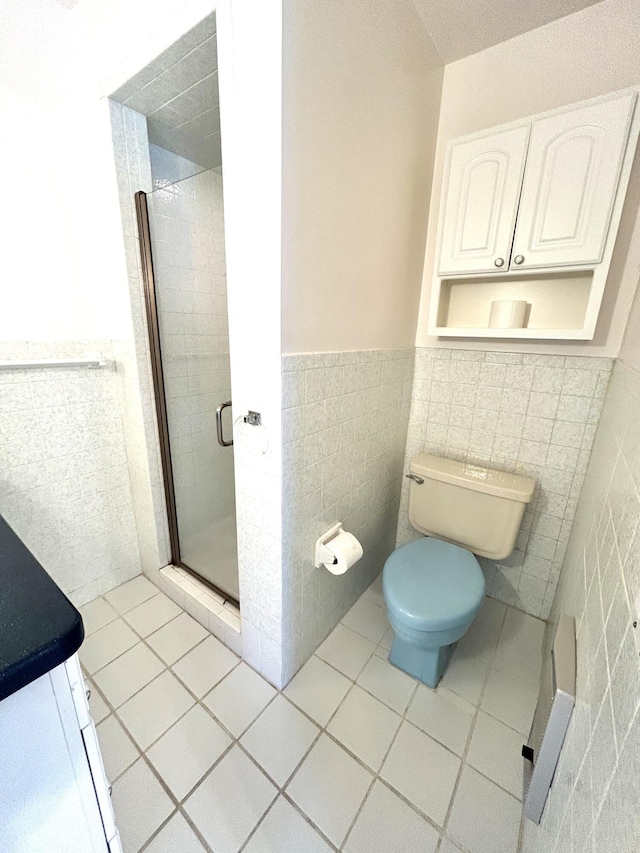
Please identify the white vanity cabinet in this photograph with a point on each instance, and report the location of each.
(530, 212)
(54, 795)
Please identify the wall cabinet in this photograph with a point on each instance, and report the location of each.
(543, 194)
(481, 202)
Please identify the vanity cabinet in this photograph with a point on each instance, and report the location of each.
(530, 212)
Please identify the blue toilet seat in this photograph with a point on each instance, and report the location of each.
(430, 585)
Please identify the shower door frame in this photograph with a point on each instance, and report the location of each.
(153, 327)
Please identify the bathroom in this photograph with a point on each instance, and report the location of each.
(242, 696)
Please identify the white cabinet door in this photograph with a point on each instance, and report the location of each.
(480, 200)
(570, 184)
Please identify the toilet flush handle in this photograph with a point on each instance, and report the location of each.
(415, 478)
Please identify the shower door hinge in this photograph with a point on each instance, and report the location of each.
(253, 418)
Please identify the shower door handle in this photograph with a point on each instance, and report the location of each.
(219, 412)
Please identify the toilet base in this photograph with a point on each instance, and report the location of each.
(427, 665)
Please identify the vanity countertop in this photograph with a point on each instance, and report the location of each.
(39, 627)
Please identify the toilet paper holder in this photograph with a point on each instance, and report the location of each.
(323, 555)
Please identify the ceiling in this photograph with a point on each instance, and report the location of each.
(178, 92)
(460, 28)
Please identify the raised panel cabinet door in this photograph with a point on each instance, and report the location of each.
(480, 200)
(570, 185)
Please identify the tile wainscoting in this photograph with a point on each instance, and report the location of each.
(530, 414)
(593, 804)
(64, 482)
(344, 429)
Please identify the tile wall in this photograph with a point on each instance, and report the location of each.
(133, 173)
(593, 804)
(64, 480)
(344, 427)
(530, 414)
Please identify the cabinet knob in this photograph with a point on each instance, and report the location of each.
(519, 259)
(499, 262)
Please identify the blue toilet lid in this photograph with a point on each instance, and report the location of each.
(432, 585)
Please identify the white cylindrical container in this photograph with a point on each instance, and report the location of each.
(508, 314)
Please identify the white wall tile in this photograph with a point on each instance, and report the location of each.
(593, 802)
(527, 414)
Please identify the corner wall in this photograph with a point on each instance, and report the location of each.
(593, 804)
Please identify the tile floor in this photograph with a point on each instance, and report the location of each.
(354, 755)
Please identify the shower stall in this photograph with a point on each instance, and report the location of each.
(181, 228)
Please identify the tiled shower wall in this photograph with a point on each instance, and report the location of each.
(530, 414)
(344, 429)
(593, 804)
(64, 483)
(133, 173)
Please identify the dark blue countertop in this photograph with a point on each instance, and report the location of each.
(39, 627)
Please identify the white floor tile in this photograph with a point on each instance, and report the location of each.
(466, 677)
(96, 614)
(97, 706)
(492, 611)
(510, 701)
(329, 788)
(387, 683)
(367, 619)
(228, 804)
(387, 824)
(130, 594)
(365, 726)
(455, 699)
(374, 592)
(345, 650)
(422, 771)
(152, 614)
(129, 673)
(117, 748)
(106, 645)
(318, 689)
(205, 665)
(187, 750)
(140, 805)
(149, 713)
(519, 651)
(176, 837)
(484, 818)
(279, 738)
(447, 846)
(496, 751)
(439, 717)
(284, 829)
(176, 638)
(480, 641)
(239, 698)
(387, 641)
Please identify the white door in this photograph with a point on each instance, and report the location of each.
(570, 184)
(480, 200)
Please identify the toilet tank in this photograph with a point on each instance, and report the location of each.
(477, 508)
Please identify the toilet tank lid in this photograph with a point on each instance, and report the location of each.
(502, 484)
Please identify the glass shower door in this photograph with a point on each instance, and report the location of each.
(186, 283)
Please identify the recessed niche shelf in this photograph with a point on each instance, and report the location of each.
(557, 305)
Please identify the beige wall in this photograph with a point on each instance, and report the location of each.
(581, 56)
(360, 110)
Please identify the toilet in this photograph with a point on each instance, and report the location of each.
(433, 587)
